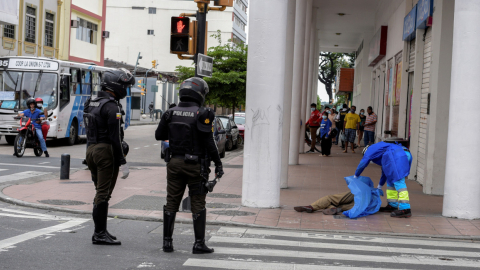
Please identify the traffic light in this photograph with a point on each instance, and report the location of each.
(183, 36)
(227, 3)
(141, 85)
(154, 63)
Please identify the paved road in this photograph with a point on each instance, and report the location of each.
(37, 239)
(144, 151)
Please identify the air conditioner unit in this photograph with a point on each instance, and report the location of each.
(105, 34)
(74, 23)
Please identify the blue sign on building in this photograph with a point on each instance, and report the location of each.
(409, 24)
(424, 12)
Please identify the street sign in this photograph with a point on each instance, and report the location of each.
(154, 89)
(205, 65)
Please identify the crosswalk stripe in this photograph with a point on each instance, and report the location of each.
(287, 243)
(1, 170)
(370, 239)
(21, 175)
(226, 264)
(419, 260)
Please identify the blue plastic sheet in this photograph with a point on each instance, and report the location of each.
(366, 196)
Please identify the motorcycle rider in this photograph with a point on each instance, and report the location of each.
(188, 127)
(45, 123)
(105, 156)
(34, 113)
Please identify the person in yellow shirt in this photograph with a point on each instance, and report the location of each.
(350, 127)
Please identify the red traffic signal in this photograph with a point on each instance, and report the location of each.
(180, 25)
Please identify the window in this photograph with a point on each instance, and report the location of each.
(86, 82)
(241, 5)
(152, 10)
(96, 81)
(49, 19)
(236, 39)
(30, 24)
(9, 31)
(239, 22)
(74, 82)
(9, 88)
(87, 31)
(150, 32)
(43, 85)
(64, 92)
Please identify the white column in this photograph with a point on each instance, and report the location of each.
(263, 129)
(315, 65)
(310, 62)
(287, 103)
(306, 55)
(462, 173)
(298, 59)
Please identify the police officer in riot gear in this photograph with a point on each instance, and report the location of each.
(105, 153)
(189, 129)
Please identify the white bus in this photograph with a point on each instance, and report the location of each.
(64, 87)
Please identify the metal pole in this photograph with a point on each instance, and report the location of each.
(136, 64)
(202, 23)
(65, 167)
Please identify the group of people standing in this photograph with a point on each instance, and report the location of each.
(331, 123)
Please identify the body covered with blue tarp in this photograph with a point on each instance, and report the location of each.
(366, 197)
(393, 159)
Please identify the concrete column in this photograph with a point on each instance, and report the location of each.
(263, 129)
(287, 103)
(298, 59)
(306, 61)
(440, 75)
(461, 198)
(311, 60)
(316, 62)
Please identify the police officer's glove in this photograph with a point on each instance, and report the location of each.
(125, 170)
(355, 176)
(219, 171)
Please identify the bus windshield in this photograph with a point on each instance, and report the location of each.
(17, 87)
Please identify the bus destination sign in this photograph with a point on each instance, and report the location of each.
(30, 64)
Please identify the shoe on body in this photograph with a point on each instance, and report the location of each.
(310, 151)
(332, 211)
(199, 224)
(46, 154)
(168, 226)
(308, 209)
(401, 213)
(100, 235)
(387, 209)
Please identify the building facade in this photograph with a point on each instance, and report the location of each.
(144, 26)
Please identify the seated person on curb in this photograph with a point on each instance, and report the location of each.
(395, 161)
(331, 204)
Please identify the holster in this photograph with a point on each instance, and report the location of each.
(168, 155)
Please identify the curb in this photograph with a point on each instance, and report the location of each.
(7, 199)
(143, 124)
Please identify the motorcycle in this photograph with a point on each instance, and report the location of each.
(26, 137)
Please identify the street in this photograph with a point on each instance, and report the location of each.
(40, 239)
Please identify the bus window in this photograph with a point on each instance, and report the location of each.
(96, 81)
(86, 82)
(74, 82)
(28, 87)
(47, 90)
(9, 82)
(64, 92)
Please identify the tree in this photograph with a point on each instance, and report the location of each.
(319, 103)
(329, 63)
(228, 82)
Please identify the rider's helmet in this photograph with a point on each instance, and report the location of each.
(365, 149)
(30, 101)
(193, 89)
(39, 102)
(117, 81)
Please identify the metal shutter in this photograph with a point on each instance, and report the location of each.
(411, 62)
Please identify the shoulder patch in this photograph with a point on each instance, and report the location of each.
(119, 116)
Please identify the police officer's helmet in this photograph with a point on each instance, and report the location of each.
(125, 148)
(117, 81)
(30, 101)
(365, 149)
(193, 89)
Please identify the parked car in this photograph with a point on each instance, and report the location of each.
(240, 121)
(219, 134)
(232, 132)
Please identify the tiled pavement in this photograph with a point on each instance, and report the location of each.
(316, 176)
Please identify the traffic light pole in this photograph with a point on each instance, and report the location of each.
(201, 35)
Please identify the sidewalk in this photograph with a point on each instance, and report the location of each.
(142, 122)
(143, 195)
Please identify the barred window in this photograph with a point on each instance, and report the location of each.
(87, 31)
(150, 32)
(9, 31)
(152, 10)
(30, 25)
(49, 28)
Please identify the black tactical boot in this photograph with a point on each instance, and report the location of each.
(100, 237)
(388, 209)
(106, 230)
(401, 213)
(199, 223)
(46, 154)
(168, 226)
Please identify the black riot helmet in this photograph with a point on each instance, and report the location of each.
(193, 89)
(117, 81)
(125, 148)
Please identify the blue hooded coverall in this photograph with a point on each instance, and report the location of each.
(395, 161)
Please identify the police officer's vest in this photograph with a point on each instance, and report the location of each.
(183, 134)
(96, 127)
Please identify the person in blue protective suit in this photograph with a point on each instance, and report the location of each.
(395, 161)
